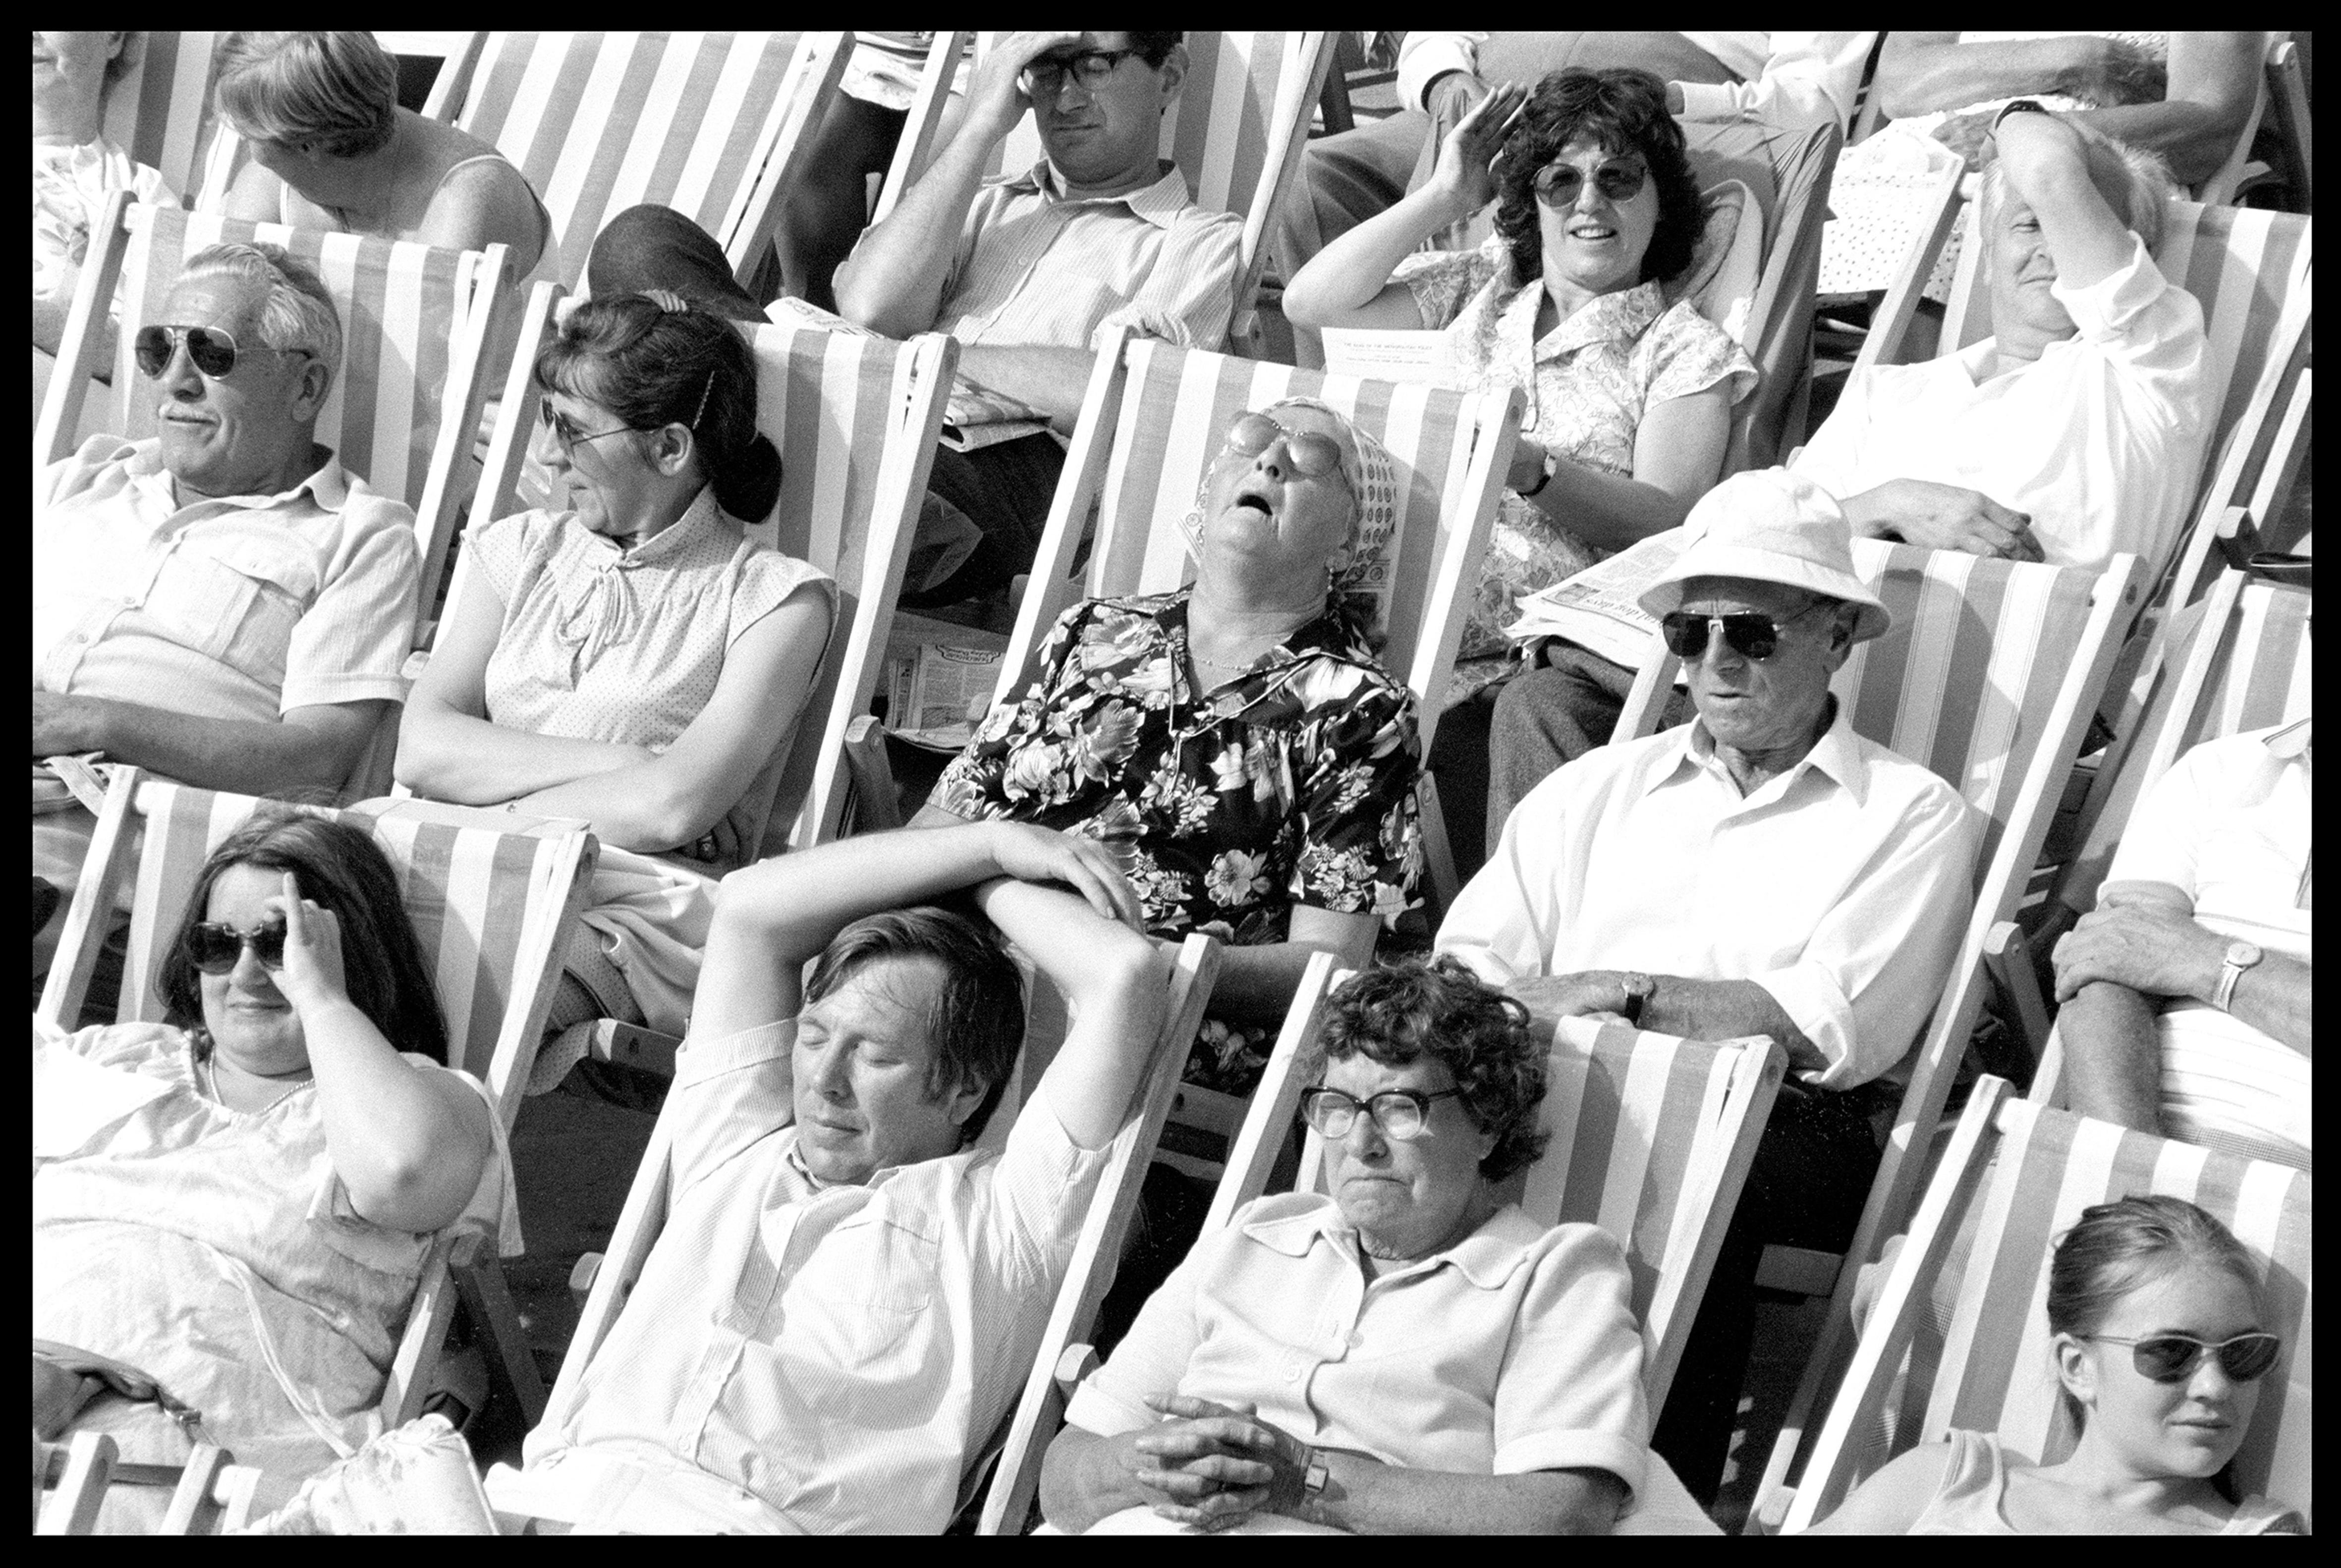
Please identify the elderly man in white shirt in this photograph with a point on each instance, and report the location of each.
(223, 603)
(2187, 993)
(1760, 870)
(848, 1291)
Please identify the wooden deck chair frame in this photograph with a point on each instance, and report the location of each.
(425, 435)
(211, 1494)
(502, 88)
(2015, 1175)
(2246, 668)
(2048, 639)
(2290, 112)
(160, 112)
(1136, 473)
(548, 864)
(609, 1278)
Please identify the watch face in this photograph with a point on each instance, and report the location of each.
(2242, 955)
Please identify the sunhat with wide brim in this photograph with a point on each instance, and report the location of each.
(1770, 526)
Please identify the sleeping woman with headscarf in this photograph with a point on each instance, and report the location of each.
(1236, 740)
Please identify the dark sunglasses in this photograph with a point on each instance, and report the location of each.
(2173, 1357)
(1621, 179)
(1750, 634)
(213, 351)
(1313, 455)
(566, 432)
(215, 946)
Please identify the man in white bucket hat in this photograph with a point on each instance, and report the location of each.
(1760, 870)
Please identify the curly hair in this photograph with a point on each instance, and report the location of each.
(1624, 111)
(1399, 1012)
(343, 869)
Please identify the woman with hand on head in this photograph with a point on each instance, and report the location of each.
(629, 656)
(237, 1205)
(2156, 1314)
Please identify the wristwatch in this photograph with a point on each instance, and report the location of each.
(2020, 106)
(1551, 467)
(1313, 1477)
(1640, 989)
(2240, 956)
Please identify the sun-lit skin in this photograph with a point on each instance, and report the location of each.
(1593, 245)
(2142, 1428)
(249, 433)
(68, 83)
(1106, 136)
(1763, 714)
(1411, 1199)
(859, 1074)
(252, 1025)
(1264, 517)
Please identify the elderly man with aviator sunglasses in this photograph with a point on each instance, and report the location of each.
(1759, 870)
(222, 602)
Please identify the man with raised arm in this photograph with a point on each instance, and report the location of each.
(1033, 270)
(848, 1292)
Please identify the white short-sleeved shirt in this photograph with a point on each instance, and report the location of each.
(623, 646)
(241, 606)
(2100, 440)
(830, 1357)
(1841, 887)
(2229, 826)
(1514, 1350)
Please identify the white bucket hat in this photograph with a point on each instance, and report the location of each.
(1770, 526)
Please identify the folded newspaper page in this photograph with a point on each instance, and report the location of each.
(1391, 356)
(937, 693)
(1596, 609)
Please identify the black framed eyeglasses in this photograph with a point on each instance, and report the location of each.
(1313, 455)
(1400, 1113)
(214, 351)
(2173, 1357)
(1748, 633)
(1620, 179)
(565, 430)
(215, 946)
(1044, 79)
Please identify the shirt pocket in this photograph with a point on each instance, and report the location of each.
(863, 1305)
(235, 600)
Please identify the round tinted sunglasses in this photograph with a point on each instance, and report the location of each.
(1621, 179)
(1750, 634)
(213, 351)
(2173, 1357)
(215, 946)
(566, 432)
(1400, 1113)
(1313, 455)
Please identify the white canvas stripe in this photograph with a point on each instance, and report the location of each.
(1994, 768)
(1232, 82)
(2028, 1409)
(843, 366)
(2259, 1208)
(1545, 1188)
(337, 263)
(2179, 1169)
(731, 103)
(2229, 313)
(646, 125)
(470, 869)
(2014, 1123)
(602, 113)
(1641, 1105)
(540, 81)
(409, 311)
(1925, 672)
(2251, 633)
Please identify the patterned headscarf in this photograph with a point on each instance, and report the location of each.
(1361, 571)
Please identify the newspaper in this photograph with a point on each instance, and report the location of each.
(937, 693)
(1391, 356)
(1596, 609)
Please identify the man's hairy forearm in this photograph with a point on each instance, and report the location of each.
(247, 757)
(2113, 1069)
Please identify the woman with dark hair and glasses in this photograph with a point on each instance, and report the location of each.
(1406, 1351)
(231, 1210)
(2155, 1311)
(1630, 390)
(628, 654)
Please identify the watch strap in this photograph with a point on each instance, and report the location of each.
(2231, 972)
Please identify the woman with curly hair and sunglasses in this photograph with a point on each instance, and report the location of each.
(231, 1209)
(1629, 388)
(1404, 1353)
(2155, 1314)
(628, 654)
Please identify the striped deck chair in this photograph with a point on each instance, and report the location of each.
(855, 419)
(608, 1279)
(712, 124)
(408, 394)
(2289, 114)
(2246, 668)
(1236, 131)
(1989, 677)
(2015, 1176)
(160, 112)
(493, 910)
(1151, 423)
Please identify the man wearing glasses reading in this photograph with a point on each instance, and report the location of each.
(1033, 270)
(220, 603)
(1760, 870)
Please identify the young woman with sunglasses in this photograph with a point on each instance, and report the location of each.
(238, 1203)
(2154, 1310)
(626, 653)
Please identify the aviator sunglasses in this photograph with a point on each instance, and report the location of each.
(1313, 455)
(1400, 1113)
(2173, 1357)
(215, 946)
(1750, 634)
(213, 351)
(1620, 179)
